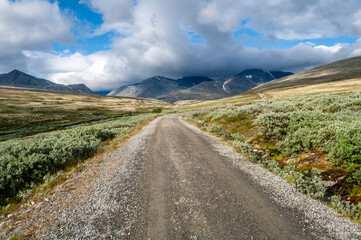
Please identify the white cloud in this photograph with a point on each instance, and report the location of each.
(153, 37)
(117, 14)
(109, 69)
(98, 70)
(30, 25)
(332, 49)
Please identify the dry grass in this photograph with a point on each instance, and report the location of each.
(26, 112)
(347, 69)
(16, 97)
(195, 105)
(340, 86)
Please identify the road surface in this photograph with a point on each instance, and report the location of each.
(193, 193)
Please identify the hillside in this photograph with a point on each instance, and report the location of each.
(17, 78)
(29, 111)
(191, 81)
(156, 86)
(238, 83)
(224, 87)
(328, 77)
(197, 87)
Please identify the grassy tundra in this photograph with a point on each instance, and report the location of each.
(42, 133)
(27, 162)
(25, 112)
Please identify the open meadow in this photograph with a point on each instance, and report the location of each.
(25, 112)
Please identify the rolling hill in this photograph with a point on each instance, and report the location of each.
(26, 111)
(17, 78)
(336, 76)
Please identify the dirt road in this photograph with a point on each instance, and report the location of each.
(192, 192)
(172, 181)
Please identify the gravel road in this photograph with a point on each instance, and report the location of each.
(173, 181)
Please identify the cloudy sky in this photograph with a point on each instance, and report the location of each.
(109, 43)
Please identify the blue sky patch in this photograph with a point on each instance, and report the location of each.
(196, 38)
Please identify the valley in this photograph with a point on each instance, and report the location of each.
(285, 151)
(192, 119)
(27, 112)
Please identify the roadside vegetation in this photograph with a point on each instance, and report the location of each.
(24, 163)
(196, 105)
(313, 141)
(43, 134)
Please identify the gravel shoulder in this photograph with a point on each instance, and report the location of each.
(172, 181)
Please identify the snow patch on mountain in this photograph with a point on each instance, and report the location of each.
(224, 85)
(271, 74)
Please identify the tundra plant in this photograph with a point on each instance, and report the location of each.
(24, 162)
(346, 208)
(327, 122)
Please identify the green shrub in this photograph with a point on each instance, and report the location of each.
(26, 161)
(219, 131)
(312, 186)
(329, 122)
(346, 144)
(273, 124)
(273, 166)
(357, 176)
(157, 110)
(346, 208)
(247, 150)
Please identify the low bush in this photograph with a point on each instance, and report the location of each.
(312, 186)
(346, 208)
(24, 162)
(157, 110)
(357, 176)
(329, 122)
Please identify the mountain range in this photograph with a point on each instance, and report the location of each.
(197, 87)
(17, 78)
(159, 87)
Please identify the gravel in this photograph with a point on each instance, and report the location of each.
(110, 211)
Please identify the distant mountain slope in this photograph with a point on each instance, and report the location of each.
(125, 91)
(103, 93)
(17, 78)
(349, 68)
(191, 81)
(157, 86)
(224, 87)
(149, 88)
(80, 88)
